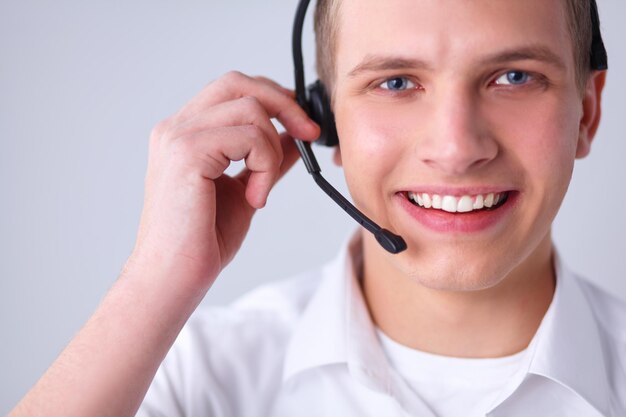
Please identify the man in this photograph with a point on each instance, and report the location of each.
(459, 125)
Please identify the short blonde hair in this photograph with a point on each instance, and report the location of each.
(326, 24)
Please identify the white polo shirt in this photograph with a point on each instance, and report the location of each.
(307, 347)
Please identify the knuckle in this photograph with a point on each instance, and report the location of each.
(182, 146)
(159, 129)
(253, 131)
(267, 81)
(231, 83)
(233, 76)
(252, 105)
(261, 145)
(256, 113)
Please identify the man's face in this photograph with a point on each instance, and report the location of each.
(458, 102)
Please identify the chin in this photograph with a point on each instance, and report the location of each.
(450, 272)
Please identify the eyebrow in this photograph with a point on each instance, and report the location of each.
(386, 63)
(529, 53)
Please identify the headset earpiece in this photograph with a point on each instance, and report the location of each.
(318, 104)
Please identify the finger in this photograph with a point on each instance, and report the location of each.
(290, 93)
(249, 177)
(215, 150)
(239, 112)
(290, 154)
(277, 103)
(290, 157)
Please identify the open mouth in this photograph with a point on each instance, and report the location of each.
(459, 204)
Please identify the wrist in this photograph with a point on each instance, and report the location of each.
(173, 275)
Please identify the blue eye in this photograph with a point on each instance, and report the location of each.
(514, 78)
(397, 84)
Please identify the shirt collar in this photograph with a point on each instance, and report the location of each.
(336, 328)
(335, 325)
(568, 347)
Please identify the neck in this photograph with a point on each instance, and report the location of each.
(493, 322)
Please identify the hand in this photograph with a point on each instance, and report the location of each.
(195, 217)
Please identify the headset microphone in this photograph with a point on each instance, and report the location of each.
(316, 103)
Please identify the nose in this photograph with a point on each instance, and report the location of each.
(457, 140)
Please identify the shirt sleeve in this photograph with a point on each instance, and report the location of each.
(185, 384)
(226, 362)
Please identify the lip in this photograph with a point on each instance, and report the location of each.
(443, 222)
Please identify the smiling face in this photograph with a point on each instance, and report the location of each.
(457, 105)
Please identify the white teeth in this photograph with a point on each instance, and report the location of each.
(427, 201)
(479, 203)
(452, 204)
(489, 200)
(465, 204)
(449, 204)
(436, 201)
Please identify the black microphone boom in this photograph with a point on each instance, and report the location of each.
(391, 242)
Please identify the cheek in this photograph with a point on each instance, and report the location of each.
(540, 142)
(541, 137)
(371, 141)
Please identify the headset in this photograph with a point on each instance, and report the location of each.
(316, 103)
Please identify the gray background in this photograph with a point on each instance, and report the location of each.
(82, 84)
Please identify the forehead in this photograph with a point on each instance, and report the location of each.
(448, 32)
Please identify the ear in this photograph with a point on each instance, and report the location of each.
(592, 110)
(337, 156)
